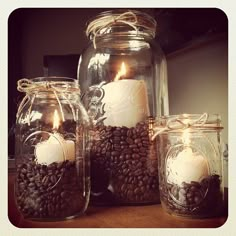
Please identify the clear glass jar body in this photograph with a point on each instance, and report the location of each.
(190, 168)
(52, 180)
(124, 86)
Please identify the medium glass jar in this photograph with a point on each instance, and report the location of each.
(52, 180)
(190, 165)
(123, 78)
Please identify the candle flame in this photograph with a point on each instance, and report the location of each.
(121, 72)
(56, 120)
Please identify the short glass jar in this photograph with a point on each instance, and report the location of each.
(191, 165)
(123, 78)
(52, 179)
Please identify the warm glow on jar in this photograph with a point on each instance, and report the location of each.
(56, 120)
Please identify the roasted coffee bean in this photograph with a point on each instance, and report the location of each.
(193, 198)
(126, 163)
(53, 179)
(31, 185)
(129, 133)
(195, 184)
(23, 171)
(40, 194)
(135, 156)
(115, 153)
(42, 172)
(133, 146)
(137, 140)
(190, 194)
(129, 140)
(45, 180)
(144, 133)
(117, 133)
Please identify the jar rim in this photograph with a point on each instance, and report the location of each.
(187, 120)
(59, 84)
(53, 78)
(117, 12)
(143, 21)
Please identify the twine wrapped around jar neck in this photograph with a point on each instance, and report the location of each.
(101, 25)
(61, 88)
(176, 123)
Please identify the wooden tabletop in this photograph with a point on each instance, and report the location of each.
(151, 216)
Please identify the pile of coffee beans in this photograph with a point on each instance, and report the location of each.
(53, 191)
(199, 199)
(124, 160)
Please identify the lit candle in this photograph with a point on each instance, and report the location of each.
(126, 101)
(56, 148)
(187, 166)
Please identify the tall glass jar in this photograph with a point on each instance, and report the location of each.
(191, 165)
(52, 180)
(123, 78)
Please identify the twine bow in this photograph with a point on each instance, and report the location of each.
(177, 124)
(97, 26)
(57, 87)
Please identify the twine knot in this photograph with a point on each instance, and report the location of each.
(97, 27)
(47, 85)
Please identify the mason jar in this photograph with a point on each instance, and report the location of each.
(52, 179)
(123, 78)
(191, 165)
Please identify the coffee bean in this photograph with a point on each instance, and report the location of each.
(190, 194)
(53, 179)
(129, 140)
(115, 141)
(126, 166)
(192, 199)
(140, 183)
(143, 154)
(197, 199)
(143, 150)
(34, 194)
(133, 146)
(195, 184)
(115, 153)
(117, 133)
(45, 180)
(129, 133)
(144, 134)
(137, 140)
(23, 171)
(31, 185)
(193, 188)
(42, 172)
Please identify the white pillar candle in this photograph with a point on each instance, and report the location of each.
(126, 102)
(187, 166)
(55, 149)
